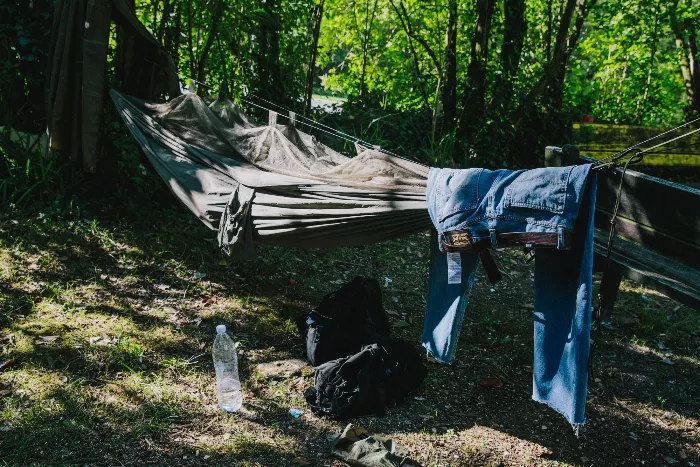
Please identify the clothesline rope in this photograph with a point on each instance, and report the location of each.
(614, 158)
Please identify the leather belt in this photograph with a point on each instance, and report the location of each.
(460, 240)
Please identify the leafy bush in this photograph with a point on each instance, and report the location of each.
(26, 174)
(25, 30)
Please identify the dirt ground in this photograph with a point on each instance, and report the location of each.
(107, 315)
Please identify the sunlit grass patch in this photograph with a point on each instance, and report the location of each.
(134, 298)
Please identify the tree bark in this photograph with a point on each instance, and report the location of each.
(449, 79)
(641, 107)
(270, 84)
(548, 44)
(369, 20)
(553, 68)
(190, 40)
(317, 17)
(515, 28)
(690, 69)
(475, 86)
(173, 37)
(417, 73)
(555, 91)
(164, 21)
(204, 57)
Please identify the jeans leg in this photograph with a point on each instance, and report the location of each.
(563, 281)
(446, 303)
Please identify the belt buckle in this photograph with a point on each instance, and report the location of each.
(457, 239)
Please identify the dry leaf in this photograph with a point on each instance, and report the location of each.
(170, 310)
(45, 339)
(301, 461)
(491, 382)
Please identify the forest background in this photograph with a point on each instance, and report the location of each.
(460, 83)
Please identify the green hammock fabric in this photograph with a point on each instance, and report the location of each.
(274, 185)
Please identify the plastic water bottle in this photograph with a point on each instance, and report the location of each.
(228, 385)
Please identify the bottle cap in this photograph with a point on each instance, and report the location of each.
(221, 329)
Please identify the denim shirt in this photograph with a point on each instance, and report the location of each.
(481, 204)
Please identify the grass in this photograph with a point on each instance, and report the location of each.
(108, 310)
(328, 96)
(599, 140)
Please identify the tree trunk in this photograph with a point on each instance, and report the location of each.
(690, 68)
(475, 86)
(532, 124)
(369, 20)
(555, 123)
(154, 25)
(270, 84)
(417, 73)
(164, 21)
(262, 58)
(317, 17)
(641, 108)
(204, 56)
(548, 44)
(449, 80)
(693, 57)
(514, 32)
(173, 38)
(190, 40)
(553, 68)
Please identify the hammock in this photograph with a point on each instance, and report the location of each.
(273, 184)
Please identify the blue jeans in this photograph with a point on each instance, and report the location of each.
(482, 204)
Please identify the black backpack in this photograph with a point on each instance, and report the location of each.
(344, 322)
(379, 375)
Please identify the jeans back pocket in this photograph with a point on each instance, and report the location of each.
(543, 189)
(459, 191)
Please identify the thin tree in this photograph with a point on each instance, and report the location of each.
(316, 18)
(475, 82)
(688, 57)
(642, 104)
(449, 78)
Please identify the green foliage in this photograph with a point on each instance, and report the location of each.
(612, 69)
(386, 58)
(26, 174)
(25, 29)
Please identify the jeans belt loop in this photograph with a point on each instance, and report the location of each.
(561, 244)
(494, 240)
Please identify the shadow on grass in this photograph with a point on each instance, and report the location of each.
(134, 266)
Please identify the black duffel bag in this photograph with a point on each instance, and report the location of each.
(344, 322)
(379, 375)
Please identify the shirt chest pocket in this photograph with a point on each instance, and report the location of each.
(459, 192)
(542, 189)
